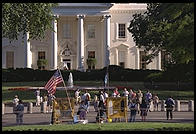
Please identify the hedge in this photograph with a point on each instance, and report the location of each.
(116, 73)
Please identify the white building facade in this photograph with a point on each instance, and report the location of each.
(82, 31)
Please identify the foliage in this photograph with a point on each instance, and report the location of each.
(91, 62)
(34, 18)
(116, 73)
(42, 63)
(166, 26)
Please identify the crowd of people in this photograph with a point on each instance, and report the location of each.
(138, 103)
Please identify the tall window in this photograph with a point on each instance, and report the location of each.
(91, 31)
(164, 59)
(142, 60)
(91, 54)
(66, 30)
(121, 58)
(41, 55)
(10, 59)
(121, 30)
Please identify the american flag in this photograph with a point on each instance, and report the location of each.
(54, 80)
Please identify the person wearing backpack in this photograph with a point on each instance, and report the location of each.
(169, 107)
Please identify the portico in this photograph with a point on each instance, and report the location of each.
(79, 36)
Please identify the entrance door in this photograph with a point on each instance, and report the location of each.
(9, 59)
(68, 62)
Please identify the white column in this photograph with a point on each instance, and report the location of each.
(159, 61)
(137, 62)
(54, 45)
(3, 108)
(30, 107)
(80, 50)
(27, 52)
(107, 40)
(177, 105)
(191, 105)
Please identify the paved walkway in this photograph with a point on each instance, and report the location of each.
(37, 118)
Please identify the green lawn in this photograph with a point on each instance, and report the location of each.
(8, 95)
(138, 126)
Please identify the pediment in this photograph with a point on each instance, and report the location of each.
(123, 46)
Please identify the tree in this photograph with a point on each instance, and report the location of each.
(34, 18)
(166, 26)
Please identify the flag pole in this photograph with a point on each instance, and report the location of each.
(65, 88)
(108, 78)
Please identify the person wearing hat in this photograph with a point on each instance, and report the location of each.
(15, 103)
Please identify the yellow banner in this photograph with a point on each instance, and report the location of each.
(61, 108)
(116, 107)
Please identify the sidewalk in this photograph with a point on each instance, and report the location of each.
(37, 118)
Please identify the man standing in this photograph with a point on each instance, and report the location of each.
(148, 97)
(77, 96)
(169, 107)
(37, 93)
(87, 100)
(15, 102)
(19, 113)
(126, 94)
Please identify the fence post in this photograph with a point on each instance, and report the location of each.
(177, 105)
(30, 107)
(163, 105)
(191, 103)
(43, 107)
(3, 108)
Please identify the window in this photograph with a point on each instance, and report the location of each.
(67, 31)
(91, 54)
(91, 31)
(41, 55)
(142, 60)
(164, 59)
(122, 64)
(121, 58)
(67, 51)
(10, 59)
(121, 30)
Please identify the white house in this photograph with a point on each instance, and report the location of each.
(82, 31)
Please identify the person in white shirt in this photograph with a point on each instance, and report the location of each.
(116, 93)
(126, 94)
(105, 95)
(87, 99)
(37, 93)
(15, 102)
(77, 96)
